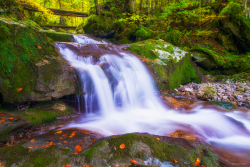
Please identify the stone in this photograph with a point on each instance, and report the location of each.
(206, 92)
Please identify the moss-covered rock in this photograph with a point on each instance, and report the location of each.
(58, 37)
(146, 150)
(101, 26)
(206, 92)
(204, 61)
(171, 66)
(31, 69)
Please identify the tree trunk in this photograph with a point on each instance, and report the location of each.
(141, 4)
(148, 3)
(131, 6)
(97, 8)
(153, 5)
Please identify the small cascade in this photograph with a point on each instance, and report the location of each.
(78, 100)
(120, 97)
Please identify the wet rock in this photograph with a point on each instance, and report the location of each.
(206, 92)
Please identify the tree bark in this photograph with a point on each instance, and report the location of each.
(141, 4)
(148, 3)
(97, 8)
(131, 6)
(153, 5)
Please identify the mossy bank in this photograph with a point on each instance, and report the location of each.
(108, 152)
(31, 69)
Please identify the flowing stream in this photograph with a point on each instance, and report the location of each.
(120, 97)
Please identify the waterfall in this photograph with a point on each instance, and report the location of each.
(120, 97)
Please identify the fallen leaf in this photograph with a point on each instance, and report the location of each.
(30, 148)
(175, 161)
(87, 165)
(122, 146)
(64, 135)
(67, 165)
(35, 146)
(51, 143)
(76, 152)
(78, 148)
(59, 143)
(67, 147)
(10, 118)
(81, 143)
(115, 136)
(187, 147)
(86, 133)
(32, 140)
(133, 162)
(39, 47)
(19, 89)
(58, 132)
(65, 141)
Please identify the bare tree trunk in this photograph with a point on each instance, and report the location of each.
(148, 3)
(141, 6)
(45, 2)
(97, 8)
(153, 5)
(157, 4)
(131, 5)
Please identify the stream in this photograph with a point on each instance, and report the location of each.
(120, 97)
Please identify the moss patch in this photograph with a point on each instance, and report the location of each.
(159, 149)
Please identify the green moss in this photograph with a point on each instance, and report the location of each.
(159, 149)
(142, 33)
(91, 151)
(44, 113)
(32, 24)
(170, 49)
(13, 154)
(185, 72)
(17, 53)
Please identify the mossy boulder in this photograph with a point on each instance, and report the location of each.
(147, 150)
(170, 66)
(234, 28)
(100, 26)
(58, 37)
(203, 60)
(31, 68)
(206, 92)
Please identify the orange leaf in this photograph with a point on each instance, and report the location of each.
(198, 160)
(39, 47)
(187, 147)
(87, 165)
(158, 138)
(78, 148)
(30, 148)
(67, 165)
(10, 118)
(196, 164)
(175, 161)
(65, 141)
(115, 136)
(64, 135)
(76, 152)
(35, 146)
(32, 140)
(122, 146)
(51, 143)
(67, 147)
(19, 89)
(9, 23)
(59, 143)
(133, 162)
(81, 143)
(86, 133)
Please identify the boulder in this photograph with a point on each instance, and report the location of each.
(206, 92)
(31, 68)
(170, 65)
(57, 36)
(203, 60)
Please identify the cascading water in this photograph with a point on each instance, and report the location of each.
(120, 97)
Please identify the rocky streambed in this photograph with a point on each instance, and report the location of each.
(236, 93)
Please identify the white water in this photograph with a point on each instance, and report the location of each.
(120, 97)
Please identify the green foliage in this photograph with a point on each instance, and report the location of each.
(142, 33)
(174, 37)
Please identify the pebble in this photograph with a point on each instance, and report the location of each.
(237, 93)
